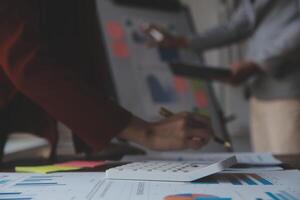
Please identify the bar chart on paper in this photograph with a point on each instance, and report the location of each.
(49, 187)
(194, 197)
(140, 190)
(281, 195)
(4, 180)
(28, 187)
(40, 181)
(275, 178)
(14, 196)
(94, 186)
(235, 179)
(7, 180)
(168, 191)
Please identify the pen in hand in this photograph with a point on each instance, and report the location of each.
(167, 114)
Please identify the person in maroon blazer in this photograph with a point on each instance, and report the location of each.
(45, 64)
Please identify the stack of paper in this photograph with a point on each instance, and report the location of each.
(244, 184)
(276, 185)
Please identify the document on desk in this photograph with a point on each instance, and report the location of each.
(282, 185)
(243, 158)
(56, 186)
(173, 191)
(251, 178)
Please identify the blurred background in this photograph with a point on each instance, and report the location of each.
(232, 101)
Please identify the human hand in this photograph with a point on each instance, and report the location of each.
(160, 37)
(181, 131)
(242, 71)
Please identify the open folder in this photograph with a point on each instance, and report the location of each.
(201, 72)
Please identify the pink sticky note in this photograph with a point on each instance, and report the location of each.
(201, 99)
(120, 49)
(82, 164)
(115, 30)
(181, 84)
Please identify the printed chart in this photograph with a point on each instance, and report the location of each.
(235, 179)
(281, 195)
(194, 197)
(94, 186)
(40, 181)
(278, 178)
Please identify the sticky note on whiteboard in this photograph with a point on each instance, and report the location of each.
(201, 99)
(120, 49)
(181, 84)
(115, 30)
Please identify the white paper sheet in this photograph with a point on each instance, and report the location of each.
(159, 191)
(50, 186)
(283, 185)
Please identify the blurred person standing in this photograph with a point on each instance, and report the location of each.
(271, 66)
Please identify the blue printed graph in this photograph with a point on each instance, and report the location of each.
(3, 179)
(235, 179)
(35, 181)
(3, 182)
(189, 196)
(13, 196)
(38, 181)
(282, 195)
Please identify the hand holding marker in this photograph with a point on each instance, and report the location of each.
(166, 113)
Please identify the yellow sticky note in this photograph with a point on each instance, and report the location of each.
(45, 169)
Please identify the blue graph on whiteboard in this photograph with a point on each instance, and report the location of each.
(160, 93)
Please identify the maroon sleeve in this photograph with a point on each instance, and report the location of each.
(55, 87)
